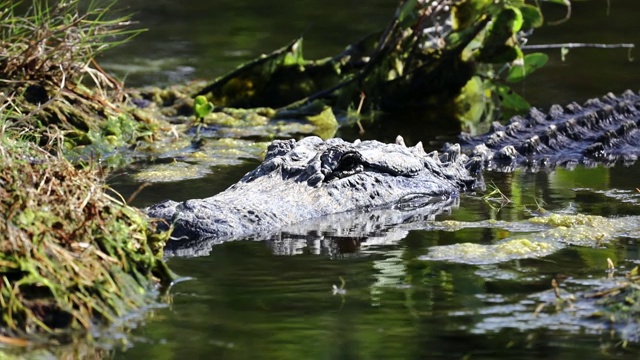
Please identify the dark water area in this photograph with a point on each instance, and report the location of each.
(373, 297)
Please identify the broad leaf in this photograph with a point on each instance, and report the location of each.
(531, 63)
(531, 16)
(504, 27)
(512, 100)
(202, 107)
(467, 12)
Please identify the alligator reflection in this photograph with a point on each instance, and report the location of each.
(338, 234)
(347, 234)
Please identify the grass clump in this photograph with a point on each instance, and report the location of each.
(73, 255)
(50, 76)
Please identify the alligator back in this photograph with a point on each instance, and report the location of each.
(602, 131)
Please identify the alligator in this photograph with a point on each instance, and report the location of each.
(306, 179)
(312, 178)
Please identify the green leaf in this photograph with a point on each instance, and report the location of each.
(406, 9)
(509, 20)
(531, 62)
(202, 107)
(517, 21)
(532, 16)
(511, 100)
(561, 2)
(294, 55)
(200, 100)
(467, 12)
(504, 27)
(500, 55)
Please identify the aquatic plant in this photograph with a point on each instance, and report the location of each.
(202, 107)
(432, 54)
(73, 256)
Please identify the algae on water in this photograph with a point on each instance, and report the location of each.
(561, 231)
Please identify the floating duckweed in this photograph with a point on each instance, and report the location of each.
(470, 253)
(581, 230)
(570, 220)
(451, 224)
(524, 247)
(325, 119)
(176, 171)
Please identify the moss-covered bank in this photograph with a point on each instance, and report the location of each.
(73, 255)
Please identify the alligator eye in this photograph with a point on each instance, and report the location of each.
(348, 163)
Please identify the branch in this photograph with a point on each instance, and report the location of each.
(578, 45)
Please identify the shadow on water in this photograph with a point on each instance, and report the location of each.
(285, 297)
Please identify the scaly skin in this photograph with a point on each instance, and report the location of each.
(311, 178)
(602, 131)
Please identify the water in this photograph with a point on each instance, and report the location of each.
(378, 300)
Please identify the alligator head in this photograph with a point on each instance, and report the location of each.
(310, 178)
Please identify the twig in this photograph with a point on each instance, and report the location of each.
(578, 45)
(362, 96)
(138, 190)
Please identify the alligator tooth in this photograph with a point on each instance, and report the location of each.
(357, 142)
(418, 149)
(400, 141)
